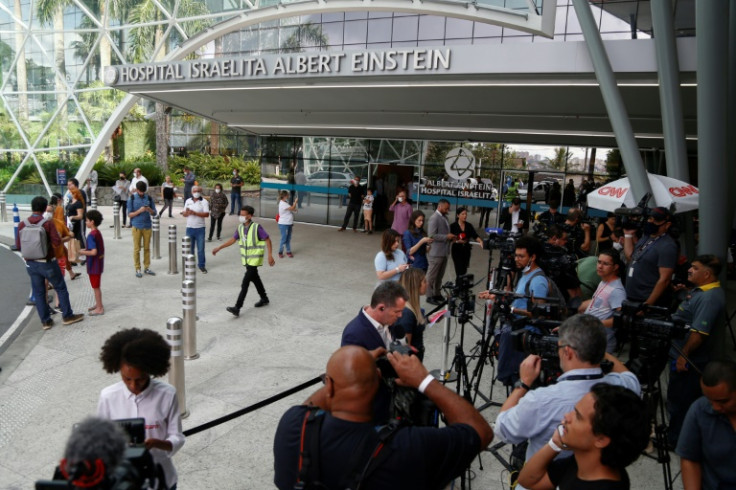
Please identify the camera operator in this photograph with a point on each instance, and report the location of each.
(531, 281)
(578, 233)
(138, 355)
(651, 260)
(703, 310)
(347, 444)
(708, 440)
(609, 295)
(533, 415)
(551, 217)
(565, 276)
(93, 451)
(606, 432)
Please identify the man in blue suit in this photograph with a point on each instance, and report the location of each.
(370, 328)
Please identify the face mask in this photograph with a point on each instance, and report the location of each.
(527, 268)
(235, 173)
(196, 195)
(218, 190)
(242, 219)
(122, 177)
(650, 228)
(617, 246)
(401, 199)
(47, 215)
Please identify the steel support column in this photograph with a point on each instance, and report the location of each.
(711, 28)
(669, 90)
(613, 101)
(731, 165)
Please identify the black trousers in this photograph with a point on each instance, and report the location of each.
(219, 225)
(251, 275)
(352, 208)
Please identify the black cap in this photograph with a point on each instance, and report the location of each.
(661, 214)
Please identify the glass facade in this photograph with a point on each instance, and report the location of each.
(52, 104)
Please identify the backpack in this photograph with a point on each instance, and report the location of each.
(34, 242)
(552, 292)
(146, 199)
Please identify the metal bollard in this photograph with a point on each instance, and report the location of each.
(172, 250)
(156, 232)
(3, 208)
(186, 249)
(174, 336)
(116, 220)
(189, 309)
(16, 223)
(93, 202)
(189, 270)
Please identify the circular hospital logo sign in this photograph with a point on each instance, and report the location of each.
(459, 163)
(111, 75)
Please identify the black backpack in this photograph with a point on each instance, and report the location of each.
(552, 292)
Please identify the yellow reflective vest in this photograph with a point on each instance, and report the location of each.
(251, 247)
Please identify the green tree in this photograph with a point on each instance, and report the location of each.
(560, 159)
(306, 35)
(614, 163)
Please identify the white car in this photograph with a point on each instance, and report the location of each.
(330, 178)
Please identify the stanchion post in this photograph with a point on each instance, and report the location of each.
(189, 309)
(93, 202)
(172, 250)
(174, 336)
(3, 208)
(116, 220)
(16, 223)
(156, 227)
(186, 249)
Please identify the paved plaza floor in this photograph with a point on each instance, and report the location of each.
(52, 379)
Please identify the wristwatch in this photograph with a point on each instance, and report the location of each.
(520, 384)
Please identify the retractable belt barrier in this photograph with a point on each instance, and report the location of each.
(251, 408)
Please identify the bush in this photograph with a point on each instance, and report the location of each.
(217, 168)
(252, 172)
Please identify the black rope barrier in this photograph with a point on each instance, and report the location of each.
(255, 406)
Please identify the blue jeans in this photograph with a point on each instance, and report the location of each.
(197, 235)
(285, 237)
(235, 197)
(39, 271)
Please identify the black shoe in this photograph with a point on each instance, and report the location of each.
(209, 239)
(73, 319)
(235, 311)
(262, 302)
(204, 271)
(47, 325)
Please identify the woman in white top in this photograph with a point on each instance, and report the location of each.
(391, 261)
(138, 355)
(286, 223)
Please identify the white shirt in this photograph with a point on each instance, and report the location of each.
(159, 406)
(286, 216)
(514, 220)
(382, 329)
(198, 206)
(135, 181)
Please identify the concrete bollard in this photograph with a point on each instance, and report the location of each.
(156, 232)
(93, 202)
(3, 208)
(189, 309)
(186, 249)
(172, 250)
(116, 235)
(16, 223)
(174, 336)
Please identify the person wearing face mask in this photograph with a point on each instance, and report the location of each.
(531, 281)
(236, 185)
(196, 209)
(402, 213)
(218, 205)
(651, 260)
(140, 209)
(252, 239)
(356, 194)
(121, 191)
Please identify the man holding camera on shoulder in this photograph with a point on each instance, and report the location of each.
(533, 414)
(338, 446)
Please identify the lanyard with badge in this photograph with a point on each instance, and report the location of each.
(638, 254)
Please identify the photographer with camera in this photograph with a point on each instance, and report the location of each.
(578, 233)
(703, 310)
(606, 432)
(559, 264)
(533, 414)
(138, 355)
(708, 441)
(339, 446)
(651, 260)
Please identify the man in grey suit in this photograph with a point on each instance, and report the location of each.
(439, 229)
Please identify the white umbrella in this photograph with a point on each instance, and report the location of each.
(666, 191)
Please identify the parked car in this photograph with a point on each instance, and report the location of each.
(540, 192)
(330, 178)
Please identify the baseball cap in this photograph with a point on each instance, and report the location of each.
(661, 214)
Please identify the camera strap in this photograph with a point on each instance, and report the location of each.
(582, 377)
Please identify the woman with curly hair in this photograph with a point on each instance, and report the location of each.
(390, 262)
(138, 355)
(412, 320)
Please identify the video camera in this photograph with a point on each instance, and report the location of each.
(557, 261)
(542, 345)
(498, 239)
(408, 404)
(461, 301)
(651, 330)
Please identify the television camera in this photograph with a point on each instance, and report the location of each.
(461, 300)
